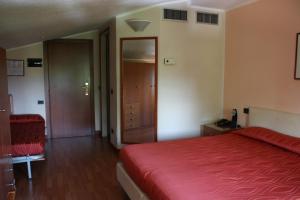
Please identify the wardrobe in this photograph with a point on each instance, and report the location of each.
(6, 170)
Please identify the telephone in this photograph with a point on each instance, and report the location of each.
(224, 123)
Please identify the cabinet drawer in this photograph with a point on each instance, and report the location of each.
(208, 131)
(132, 108)
(211, 130)
(131, 125)
(132, 122)
(132, 116)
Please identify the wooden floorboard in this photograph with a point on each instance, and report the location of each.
(82, 168)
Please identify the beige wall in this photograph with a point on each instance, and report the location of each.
(29, 89)
(260, 56)
(190, 92)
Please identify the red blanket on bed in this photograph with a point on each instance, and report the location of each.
(252, 163)
(27, 134)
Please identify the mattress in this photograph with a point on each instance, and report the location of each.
(252, 163)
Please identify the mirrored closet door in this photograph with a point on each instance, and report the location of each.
(139, 90)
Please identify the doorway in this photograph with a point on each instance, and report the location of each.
(138, 90)
(105, 83)
(69, 80)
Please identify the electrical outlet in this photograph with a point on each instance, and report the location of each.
(246, 110)
(169, 61)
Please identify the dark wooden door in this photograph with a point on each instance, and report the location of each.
(6, 173)
(70, 67)
(108, 90)
(105, 84)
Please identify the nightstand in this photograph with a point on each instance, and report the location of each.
(211, 130)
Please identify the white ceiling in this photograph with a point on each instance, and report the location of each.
(220, 4)
(27, 21)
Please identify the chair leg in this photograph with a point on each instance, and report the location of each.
(29, 168)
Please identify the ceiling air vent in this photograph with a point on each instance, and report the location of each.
(207, 18)
(171, 14)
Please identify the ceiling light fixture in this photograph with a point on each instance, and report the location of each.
(138, 25)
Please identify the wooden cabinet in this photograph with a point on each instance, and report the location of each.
(212, 130)
(138, 102)
(6, 170)
(132, 115)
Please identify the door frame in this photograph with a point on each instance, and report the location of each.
(108, 85)
(47, 83)
(155, 38)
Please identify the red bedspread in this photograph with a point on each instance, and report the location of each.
(27, 134)
(240, 165)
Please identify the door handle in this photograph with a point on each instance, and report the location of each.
(12, 184)
(9, 170)
(86, 88)
(2, 110)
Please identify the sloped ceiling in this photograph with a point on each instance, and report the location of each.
(220, 4)
(27, 21)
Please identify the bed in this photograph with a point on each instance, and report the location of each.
(250, 163)
(28, 139)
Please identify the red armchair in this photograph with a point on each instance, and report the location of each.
(27, 134)
(28, 139)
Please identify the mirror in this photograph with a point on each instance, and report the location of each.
(138, 90)
(297, 67)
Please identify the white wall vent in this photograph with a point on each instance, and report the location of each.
(171, 14)
(207, 18)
